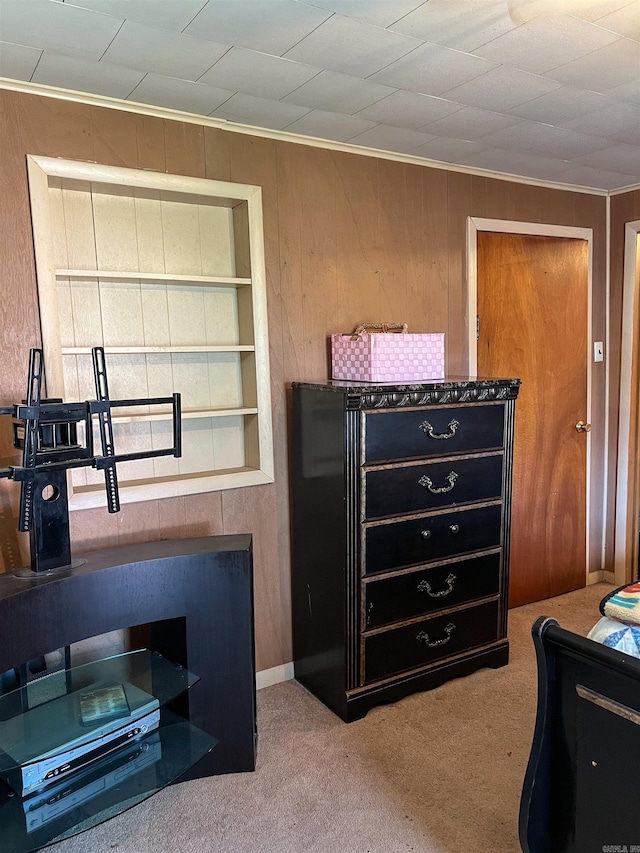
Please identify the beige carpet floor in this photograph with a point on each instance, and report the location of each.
(438, 772)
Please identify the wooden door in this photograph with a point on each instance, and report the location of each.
(533, 304)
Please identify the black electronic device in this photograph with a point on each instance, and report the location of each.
(46, 430)
(59, 737)
(52, 803)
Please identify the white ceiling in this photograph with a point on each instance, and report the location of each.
(543, 89)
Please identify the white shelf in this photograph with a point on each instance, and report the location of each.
(159, 349)
(170, 280)
(186, 415)
(128, 275)
(89, 498)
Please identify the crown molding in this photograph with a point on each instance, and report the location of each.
(630, 189)
(285, 136)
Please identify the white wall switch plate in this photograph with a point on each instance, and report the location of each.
(598, 351)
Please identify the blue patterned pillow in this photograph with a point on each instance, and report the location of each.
(617, 635)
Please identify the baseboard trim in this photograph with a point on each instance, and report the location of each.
(596, 577)
(267, 677)
(608, 577)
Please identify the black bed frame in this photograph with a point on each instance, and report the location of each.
(581, 790)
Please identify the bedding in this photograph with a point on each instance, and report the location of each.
(619, 627)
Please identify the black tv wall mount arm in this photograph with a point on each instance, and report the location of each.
(47, 432)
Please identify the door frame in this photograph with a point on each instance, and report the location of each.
(627, 498)
(541, 229)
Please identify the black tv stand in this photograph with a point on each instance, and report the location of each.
(196, 595)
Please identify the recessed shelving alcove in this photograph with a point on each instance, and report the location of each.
(165, 272)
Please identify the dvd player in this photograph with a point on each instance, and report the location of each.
(55, 739)
(45, 806)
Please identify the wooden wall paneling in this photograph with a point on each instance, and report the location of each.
(19, 328)
(75, 221)
(203, 514)
(357, 201)
(215, 225)
(420, 246)
(234, 517)
(234, 442)
(431, 243)
(172, 518)
(93, 529)
(59, 250)
(187, 323)
(480, 196)
(317, 205)
(115, 137)
(180, 237)
(322, 265)
(19, 319)
(57, 128)
(263, 510)
(184, 148)
(133, 437)
(254, 162)
(216, 154)
(459, 188)
(271, 582)
(149, 237)
(197, 445)
(80, 322)
(292, 350)
(543, 204)
(622, 211)
(121, 304)
(536, 204)
(307, 185)
(290, 202)
(499, 199)
(548, 205)
(74, 243)
(221, 317)
(162, 437)
(114, 222)
(624, 208)
(150, 143)
(138, 522)
(393, 245)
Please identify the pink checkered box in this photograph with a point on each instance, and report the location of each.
(387, 357)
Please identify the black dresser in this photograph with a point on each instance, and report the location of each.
(401, 511)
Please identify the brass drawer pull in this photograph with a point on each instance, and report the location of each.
(428, 483)
(426, 534)
(423, 637)
(423, 586)
(425, 426)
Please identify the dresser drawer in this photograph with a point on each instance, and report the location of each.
(412, 488)
(429, 640)
(433, 432)
(421, 592)
(396, 544)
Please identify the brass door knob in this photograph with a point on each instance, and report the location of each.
(581, 426)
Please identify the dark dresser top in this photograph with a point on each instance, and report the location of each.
(451, 389)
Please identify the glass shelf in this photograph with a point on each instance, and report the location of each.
(81, 745)
(104, 790)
